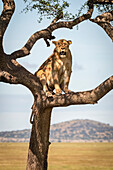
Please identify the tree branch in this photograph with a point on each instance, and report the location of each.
(12, 72)
(101, 1)
(7, 78)
(86, 97)
(8, 10)
(57, 18)
(53, 22)
(103, 20)
(47, 33)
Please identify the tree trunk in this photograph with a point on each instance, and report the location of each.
(39, 141)
(12, 72)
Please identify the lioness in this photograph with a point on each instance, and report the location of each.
(55, 72)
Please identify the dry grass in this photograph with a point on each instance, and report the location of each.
(62, 156)
(13, 156)
(81, 156)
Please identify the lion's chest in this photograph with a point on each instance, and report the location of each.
(60, 68)
(57, 69)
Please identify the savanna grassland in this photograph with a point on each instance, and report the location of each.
(62, 156)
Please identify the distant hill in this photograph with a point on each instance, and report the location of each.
(69, 131)
(15, 136)
(81, 131)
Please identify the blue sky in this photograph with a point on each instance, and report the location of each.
(92, 52)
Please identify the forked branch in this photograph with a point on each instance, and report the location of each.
(47, 33)
(104, 20)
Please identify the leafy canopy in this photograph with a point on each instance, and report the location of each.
(49, 8)
(55, 8)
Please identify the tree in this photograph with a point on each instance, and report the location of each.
(12, 72)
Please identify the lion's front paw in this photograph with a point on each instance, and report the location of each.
(58, 92)
(48, 94)
(67, 91)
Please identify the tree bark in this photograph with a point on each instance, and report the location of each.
(85, 97)
(103, 21)
(12, 72)
(39, 141)
(101, 1)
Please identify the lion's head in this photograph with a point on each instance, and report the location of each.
(62, 47)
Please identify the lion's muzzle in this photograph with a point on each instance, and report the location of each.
(62, 54)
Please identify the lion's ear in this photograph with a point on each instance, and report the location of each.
(69, 42)
(54, 42)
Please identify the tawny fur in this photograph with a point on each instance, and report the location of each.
(55, 72)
